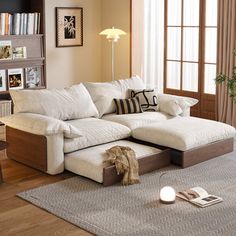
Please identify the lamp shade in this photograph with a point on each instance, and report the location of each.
(112, 33)
(167, 195)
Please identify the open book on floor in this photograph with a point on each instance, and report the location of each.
(199, 197)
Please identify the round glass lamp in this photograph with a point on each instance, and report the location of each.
(167, 195)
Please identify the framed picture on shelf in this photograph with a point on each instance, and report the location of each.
(5, 50)
(33, 77)
(19, 53)
(3, 82)
(15, 79)
(69, 26)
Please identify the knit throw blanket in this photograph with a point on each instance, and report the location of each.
(126, 163)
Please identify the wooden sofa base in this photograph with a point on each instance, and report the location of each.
(203, 153)
(146, 164)
(196, 155)
(29, 149)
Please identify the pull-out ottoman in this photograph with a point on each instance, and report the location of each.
(192, 139)
(89, 162)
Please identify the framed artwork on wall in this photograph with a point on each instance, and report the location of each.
(69, 26)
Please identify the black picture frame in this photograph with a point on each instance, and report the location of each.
(69, 26)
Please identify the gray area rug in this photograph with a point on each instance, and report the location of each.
(135, 210)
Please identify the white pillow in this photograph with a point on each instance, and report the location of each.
(175, 105)
(135, 82)
(104, 93)
(172, 108)
(62, 104)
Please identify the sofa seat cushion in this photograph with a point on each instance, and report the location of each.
(136, 120)
(89, 162)
(184, 133)
(95, 131)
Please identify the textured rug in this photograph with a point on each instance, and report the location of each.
(135, 210)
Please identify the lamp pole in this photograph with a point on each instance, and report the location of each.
(112, 35)
(113, 60)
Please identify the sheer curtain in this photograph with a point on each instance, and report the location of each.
(148, 41)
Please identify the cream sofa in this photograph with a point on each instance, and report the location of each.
(63, 127)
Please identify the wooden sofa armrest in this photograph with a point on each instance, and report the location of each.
(29, 149)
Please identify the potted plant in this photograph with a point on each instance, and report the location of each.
(230, 82)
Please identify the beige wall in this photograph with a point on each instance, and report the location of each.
(92, 61)
(116, 13)
(70, 65)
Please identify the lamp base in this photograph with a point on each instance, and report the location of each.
(167, 202)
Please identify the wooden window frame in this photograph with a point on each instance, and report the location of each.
(200, 95)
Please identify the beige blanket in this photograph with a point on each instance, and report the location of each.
(126, 163)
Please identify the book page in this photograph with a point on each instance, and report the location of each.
(207, 201)
(192, 193)
(200, 191)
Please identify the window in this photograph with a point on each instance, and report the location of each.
(191, 46)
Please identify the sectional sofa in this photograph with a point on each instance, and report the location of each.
(53, 130)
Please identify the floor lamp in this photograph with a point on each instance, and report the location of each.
(113, 36)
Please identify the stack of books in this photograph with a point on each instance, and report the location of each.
(19, 23)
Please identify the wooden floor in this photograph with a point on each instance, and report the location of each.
(18, 217)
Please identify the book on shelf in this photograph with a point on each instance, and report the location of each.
(199, 197)
(5, 50)
(19, 23)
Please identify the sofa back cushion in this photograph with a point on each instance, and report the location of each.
(104, 93)
(63, 104)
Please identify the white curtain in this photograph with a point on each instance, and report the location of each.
(148, 41)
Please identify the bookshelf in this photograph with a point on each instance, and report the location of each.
(34, 43)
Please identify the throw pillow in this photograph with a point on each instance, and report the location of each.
(148, 99)
(183, 103)
(172, 108)
(127, 106)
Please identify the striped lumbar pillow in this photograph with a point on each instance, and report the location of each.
(127, 106)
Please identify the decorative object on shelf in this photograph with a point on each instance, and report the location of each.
(5, 50)
(19, 53)
(231, 82)
(15, 79)
(33, 77)
(69, 26)
(113, 36)
(3, 83)
(167, 193)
